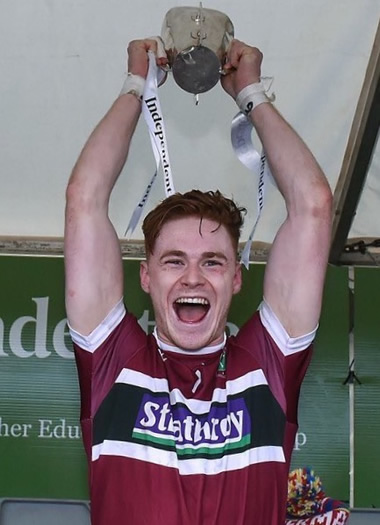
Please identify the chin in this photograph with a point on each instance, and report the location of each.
(193, 342)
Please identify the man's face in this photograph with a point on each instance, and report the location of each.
(191, 277)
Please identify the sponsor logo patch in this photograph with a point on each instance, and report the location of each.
(224, 427)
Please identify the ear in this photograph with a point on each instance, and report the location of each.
(144, 276)
(237, 282)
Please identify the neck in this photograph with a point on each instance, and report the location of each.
(204, 350)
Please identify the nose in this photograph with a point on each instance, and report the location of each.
(192, 276)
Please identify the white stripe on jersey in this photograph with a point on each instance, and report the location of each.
(189, 466)
(196, 406)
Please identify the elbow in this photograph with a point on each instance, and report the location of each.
(77, 198)
(324, 201)
(72, 191)
(82, 197)
(316, 203)
(320, 206)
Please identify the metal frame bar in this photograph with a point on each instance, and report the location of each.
(357, 158)
(53, 247)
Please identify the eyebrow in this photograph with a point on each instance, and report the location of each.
(173, 253)
(214, 255)
(204, 255)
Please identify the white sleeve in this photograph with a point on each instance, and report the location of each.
(92, 341)
(288, 345)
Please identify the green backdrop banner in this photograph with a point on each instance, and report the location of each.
(41, 452)
(367, 392)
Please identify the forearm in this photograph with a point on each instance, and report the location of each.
(297, 173)
(106, 150)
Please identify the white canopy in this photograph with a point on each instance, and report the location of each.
(63, 63)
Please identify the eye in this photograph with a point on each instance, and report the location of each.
(174, 262)
(212, 262)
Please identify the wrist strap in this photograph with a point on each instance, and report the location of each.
(250, 97)
(134, 85)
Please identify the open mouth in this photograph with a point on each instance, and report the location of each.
(191, 309)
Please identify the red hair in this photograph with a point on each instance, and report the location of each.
(210, 205)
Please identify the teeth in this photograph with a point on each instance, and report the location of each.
(192, 300)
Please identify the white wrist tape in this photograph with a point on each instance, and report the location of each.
(134, 85)
(250, 97)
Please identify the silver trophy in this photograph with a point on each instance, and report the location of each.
(196, 41)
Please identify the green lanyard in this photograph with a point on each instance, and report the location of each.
(222, 362)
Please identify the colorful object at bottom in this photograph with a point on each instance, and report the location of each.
(308, 504)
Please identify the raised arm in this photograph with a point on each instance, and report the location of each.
(93, 264)
(295, 272)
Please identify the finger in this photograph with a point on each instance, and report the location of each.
(142, 46)
(137, 51)
(238, 50)
(233, 53)
(159, 50)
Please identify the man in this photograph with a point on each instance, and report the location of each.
(184, 427)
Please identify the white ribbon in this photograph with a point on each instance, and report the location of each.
(134, 220)
(241, 138)
(151, 109)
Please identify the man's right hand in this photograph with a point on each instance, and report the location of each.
(138, 55)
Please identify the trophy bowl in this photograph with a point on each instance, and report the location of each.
(196, 41)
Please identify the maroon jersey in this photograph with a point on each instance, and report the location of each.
(184, 438)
